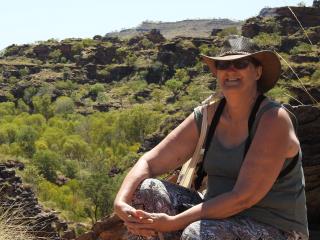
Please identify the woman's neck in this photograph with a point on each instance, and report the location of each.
(238, 107)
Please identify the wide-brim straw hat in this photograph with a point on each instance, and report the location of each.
(236, 47)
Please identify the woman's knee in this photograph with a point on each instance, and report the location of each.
(208, 229)
(151, 193)
(191, 232)
(149, 187)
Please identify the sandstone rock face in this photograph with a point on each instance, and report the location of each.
(111, 227)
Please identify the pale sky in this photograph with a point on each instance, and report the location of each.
(27, 21)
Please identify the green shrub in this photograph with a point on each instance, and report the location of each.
(102, 97)
(186, 44)
(74, 147)
(66, 85)
(7, 108)
(24, 71)
(182, 75)
(64, 105)
(316, 75)
(55, 55)
(47, 162)
(131, 59)
(267, 39)
(13, 80)
(26, 136)
(146, 43)
(22, 106)
(96, 88)
(228, 31)
(209, 51)
(302, 48)
(28, 94)
(104, 72)
(42, 104)
(174, 85)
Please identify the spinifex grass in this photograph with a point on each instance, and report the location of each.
(13, 225)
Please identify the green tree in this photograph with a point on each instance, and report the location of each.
(175, 86)
(42, 104)
(7, 108)
(182, 75)
(26, 136)
(47, 162)
(64, 105)
(76, 148)
(98, 188)
(22, 106)
(28, 94)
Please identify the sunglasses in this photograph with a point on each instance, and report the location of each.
(238, 64)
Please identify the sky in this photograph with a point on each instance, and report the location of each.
(28, 21)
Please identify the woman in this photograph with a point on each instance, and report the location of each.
(255, 183)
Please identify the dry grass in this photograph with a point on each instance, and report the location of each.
(14, 226)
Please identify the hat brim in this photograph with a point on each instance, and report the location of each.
(271, 66)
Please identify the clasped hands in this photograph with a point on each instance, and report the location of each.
(146, 224)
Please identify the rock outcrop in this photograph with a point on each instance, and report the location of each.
(308, 17)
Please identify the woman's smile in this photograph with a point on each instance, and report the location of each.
(231, 82)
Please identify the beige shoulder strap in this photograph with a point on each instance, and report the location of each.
(188, 169)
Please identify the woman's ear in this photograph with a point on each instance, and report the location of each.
(259, 72)
(211, 66)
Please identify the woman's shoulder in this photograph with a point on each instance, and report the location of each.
(275, 115)
(273, 109)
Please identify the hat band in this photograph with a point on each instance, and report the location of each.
(234, 53)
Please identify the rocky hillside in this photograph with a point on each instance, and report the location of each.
(76, 109)
(185, 28)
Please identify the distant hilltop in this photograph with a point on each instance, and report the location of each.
(185, 28)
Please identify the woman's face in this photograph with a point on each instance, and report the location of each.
(238, 76)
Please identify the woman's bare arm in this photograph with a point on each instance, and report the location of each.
(169, 154)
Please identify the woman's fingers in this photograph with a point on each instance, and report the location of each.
(140, 216)
(143, 214)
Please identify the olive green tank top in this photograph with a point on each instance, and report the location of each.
(284, 206)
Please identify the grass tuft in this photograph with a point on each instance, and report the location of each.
(13, 225)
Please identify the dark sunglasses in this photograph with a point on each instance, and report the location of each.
(238, 64)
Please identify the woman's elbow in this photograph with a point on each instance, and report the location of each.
(244, 200)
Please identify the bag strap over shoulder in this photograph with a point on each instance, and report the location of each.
(200, 172)
(188, 169)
